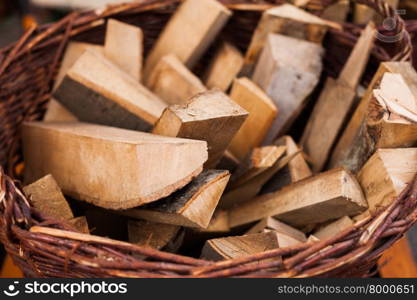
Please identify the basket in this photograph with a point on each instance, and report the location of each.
(44, 247)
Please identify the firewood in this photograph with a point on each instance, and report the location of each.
(336, 12)
(56, 112)
(239, 246)
(80, 223)
(124, 47)
(287, 77)
(219, 223)
(262, 112)
(385, 175)
(296, 169)
(228, 162)
(224, 67)
(189, 32)
(312, 239)
(97, 91)
(329, 195)
(333, 228)
(287, 20)
(154, 235)
(173, 82)
(46, 196)
(384, 119)
(336, 102)
(363, 13)
(192, 206)
(104, 155)
(210, 116)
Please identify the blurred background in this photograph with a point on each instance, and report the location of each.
(17, 15)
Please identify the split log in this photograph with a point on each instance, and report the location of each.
(228, 162)
(210, 116)
(287, 77)
(332, 229)
(385, 175)
(219, 223)
(192, 206)
(224, 67)
(97, 91)
(329, 195)
(363, 13)
(46, 196)
(262, 112)
(108, 154)
(124, 47)
(336, 102)
(189, 32)
(337, 12)
(173, 82)
(81, 224)
(151, 234)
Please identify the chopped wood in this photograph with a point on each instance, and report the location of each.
(173, 82)
(385, 175)
(219, 223)
(332, 229)
(353, 149)
(192, 206)
(81, 224)
(124, 47)
(337, 12)
(189, 32)
(150, 234)
(330, 195)
(287, 20)
(287, 77)
(104, 155)
(312, 239)
(279, 227)
(224, 67)
(46, 196)
(262, 112)
(228, 162)
(209, 116)
(97, 91)
(364, 13)
(335, 103)
(239, 246)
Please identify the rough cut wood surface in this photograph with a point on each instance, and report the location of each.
(330, 230)
(81, 224)
(110, 167)
(279, 227)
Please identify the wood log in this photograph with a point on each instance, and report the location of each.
(262, 112)
(336, 102)
(385, 175)
(192, 206)
(353, 149)
(287, 77)
(80, 224)
(330, 195)
(124, 47)
(173, 82)
(210, 116)
(56, 112)
(224, 67)
(239, 246)
(150, 234)
(287, 20)
(108, 154)
(363, 13)
(197, 22)
(337, 12)
(333, 228)
(296, 169)
(46, 196)
(97, 91)
(219, 223)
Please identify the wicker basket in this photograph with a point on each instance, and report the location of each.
(44, 247)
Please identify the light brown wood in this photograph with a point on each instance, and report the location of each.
(385, 175)
(351, 151)
(287, 20)
(292, 235)
(189, 32)
(81, 224)
(335, 103)
(124, 47)
(192, 206)
(219, 223)
(224, 67)
(228, 162)
(210, 116)
(154, 235)
(173, 82)
(239, 246)
(110, 167)
(337, 12)
(46, 196)
(262, 112)
(363, 13)
(330, 195)
(330, 230)
(296, 169)
(97, 91)
(287, 77)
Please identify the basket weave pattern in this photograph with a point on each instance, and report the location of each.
(44, 247)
